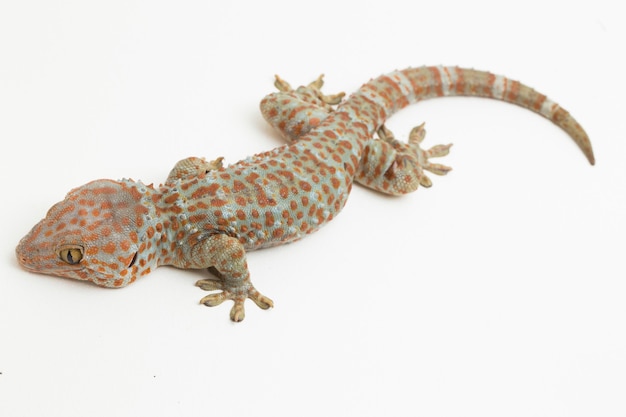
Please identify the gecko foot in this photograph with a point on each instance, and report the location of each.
(314, 86)
(192, 167)
(238, 295)
(331, 99)
(412, 149)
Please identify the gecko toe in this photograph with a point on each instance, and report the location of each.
(261, 300)
(209, 284)
(213, 300)
(238, 312)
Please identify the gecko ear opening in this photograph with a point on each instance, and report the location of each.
(132, 261)
(71, 254)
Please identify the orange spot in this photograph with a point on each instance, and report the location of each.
(171, 199)
(217, 202)
(330, 134)
(269, 219)
(514, 91)
(92, 250)
(204, 191)
(305, 186)
(109, 247)
(252, 177)
(238, 186)
(287, 174)
(197, 218)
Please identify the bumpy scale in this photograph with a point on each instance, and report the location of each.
(206, 215)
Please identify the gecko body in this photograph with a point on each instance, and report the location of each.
(207, 215)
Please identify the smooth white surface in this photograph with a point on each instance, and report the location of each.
(500, 291)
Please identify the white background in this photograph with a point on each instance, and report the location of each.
(500, 291)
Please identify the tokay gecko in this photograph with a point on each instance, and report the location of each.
(207, 215)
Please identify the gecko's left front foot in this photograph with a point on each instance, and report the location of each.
(237, 294)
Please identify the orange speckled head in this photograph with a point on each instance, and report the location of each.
(96, 234)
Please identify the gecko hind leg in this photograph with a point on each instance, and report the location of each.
(294, 113)
(395, 167)
(416, 137)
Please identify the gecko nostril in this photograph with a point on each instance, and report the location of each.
(19, 254)
(22, 259)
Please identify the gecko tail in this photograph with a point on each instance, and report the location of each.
(415, 84)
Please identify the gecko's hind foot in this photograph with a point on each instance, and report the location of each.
(238, 295)
(413, 149)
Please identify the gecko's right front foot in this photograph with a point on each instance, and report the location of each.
(238, 295)
(192, 167)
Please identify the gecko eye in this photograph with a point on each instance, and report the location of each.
(71, 254)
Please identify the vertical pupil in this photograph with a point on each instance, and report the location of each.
(70, 258)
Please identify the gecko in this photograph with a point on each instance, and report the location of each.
(208, 215)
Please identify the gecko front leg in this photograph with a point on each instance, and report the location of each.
(192, 167)
(227, 256)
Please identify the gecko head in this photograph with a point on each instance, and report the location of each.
(101, 232)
